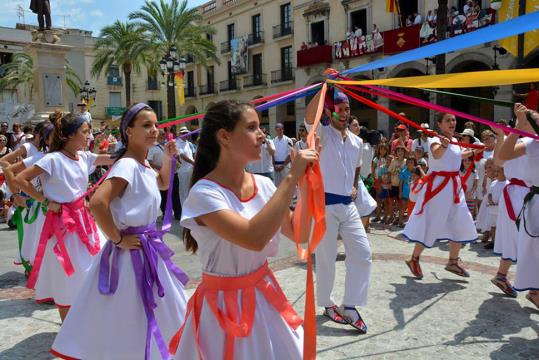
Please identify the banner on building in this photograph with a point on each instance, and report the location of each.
(508, 11)
(401, 39)
(240, 61)
(392, 6)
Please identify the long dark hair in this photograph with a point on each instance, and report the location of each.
(128, 118)
(41, 129)
(64, 127)
(223, 115)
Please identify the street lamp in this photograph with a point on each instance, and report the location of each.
(87, 94)
(170, 65)
(498, 50)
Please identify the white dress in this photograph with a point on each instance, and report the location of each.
(65, 180)
(527, 277)
(496, 189)
(32, 230)
(364, 202)
(442, 218)
(484, 223)
(270, 337)
(506, 243)
(113, 326)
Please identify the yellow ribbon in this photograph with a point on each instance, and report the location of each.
(457, 80)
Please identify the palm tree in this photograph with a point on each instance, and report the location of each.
(122, 44)
(174, 25)
(73, 80)
(20, 71)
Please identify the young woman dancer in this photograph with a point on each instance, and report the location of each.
(69, 239)
(234, 219)
(441, 211)
(133, 286)
(527, 278)
(32, 219)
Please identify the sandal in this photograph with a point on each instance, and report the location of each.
(415, 268)
(358, 324)
(454, 267)
(530, 299)
(504, 285)
(331, 313)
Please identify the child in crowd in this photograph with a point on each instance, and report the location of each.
(380, 166)
(483, 224)
(395, 168)
(404, 187)
(417, 181)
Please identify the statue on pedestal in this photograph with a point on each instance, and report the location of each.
(43, 10)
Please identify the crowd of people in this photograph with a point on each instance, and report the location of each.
(94, 246)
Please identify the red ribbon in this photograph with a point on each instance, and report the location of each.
(430, 193)
(508, 203)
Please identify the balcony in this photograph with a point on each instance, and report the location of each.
(354, 47)
(315, 55)
(225, 47)
(115, 110)
(255, 38)
(254, 80)
(228, 85)
(210, 6)
(190, 91)
(286, 74)
(114, 80)
(283, 30)
(207, 89)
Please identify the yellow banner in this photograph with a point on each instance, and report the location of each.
(179, 88)
(508, 11)
(458, 80)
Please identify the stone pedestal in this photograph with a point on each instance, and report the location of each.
(50, 89)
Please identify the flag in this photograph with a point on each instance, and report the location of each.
(178, 77)
(508, 11)
(392, 6)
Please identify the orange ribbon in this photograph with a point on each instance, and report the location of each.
(58, 224)
(310, 208)
(228, 319)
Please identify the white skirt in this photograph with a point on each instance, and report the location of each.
(364, 202)
(270, 339)
(527, 276)
(52, 282)
(483, 221)
(441, 218)
(32, 233)
(184, 183)
(102, 327)
(506, 243)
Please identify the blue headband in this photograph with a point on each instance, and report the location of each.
(130, 116)
(47, 131)
(73, 127)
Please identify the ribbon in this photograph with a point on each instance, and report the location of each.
(508, 203)
(481, 36)
(473, 98)
(534, 190)
(456, 80)
(18, 220)
(310, 208)
(430, 193)
(393, 95)
(402, 118)
(464, 179)
(230, 320)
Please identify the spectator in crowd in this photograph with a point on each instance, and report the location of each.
(417, 19)
(187, 160)
(409, 20)
(4, 130)
(17, 137)
(4, 149)
(304, 46)
(423, 140)
(301, 144)
(281, 159)
(264, 165)
(83, 111)
(402, 138)
(531, 98)
(471, 125)
(468, 7)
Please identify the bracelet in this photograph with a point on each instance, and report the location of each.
(118, 243)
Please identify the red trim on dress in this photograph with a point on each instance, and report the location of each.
(229, 189)
(60, 355)
(41, 301)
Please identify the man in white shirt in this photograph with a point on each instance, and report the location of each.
(264, 166)
(155, 158)
(83, 111)
(340, 162)
(301, 144)
(422, 140)
(417, 19)
(281, 159)
(187, 160)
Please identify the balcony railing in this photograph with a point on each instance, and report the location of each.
(256, 38)
(114, 80)
(228, 85)
(286, 74)
(315, 55)
(190, 91)
(115, 110)
(212, 5)
(283, 30)
(207, 89)
(254, 80)
(225, 47)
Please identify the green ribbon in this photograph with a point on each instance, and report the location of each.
(18, 219)
(178, 118)
(476, 98)
(534, 190)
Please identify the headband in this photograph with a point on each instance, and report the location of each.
(47, 131)
(130, 116)
(74, 126)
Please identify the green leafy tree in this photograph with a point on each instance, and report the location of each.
(18, 72)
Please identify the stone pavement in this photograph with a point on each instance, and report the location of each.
(440, 317)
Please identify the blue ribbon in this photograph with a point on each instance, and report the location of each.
(519, 25)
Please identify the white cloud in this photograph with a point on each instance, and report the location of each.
(96, 13)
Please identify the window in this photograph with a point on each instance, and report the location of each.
(409, 8)
(256, 26)
(257, 65)
(190, 84)
(157, 106)
(153, 83)
(286, 58)
(230, 31)
(115, 99)
(209, 37)
(359, 19)
(286, 16)
(210, 75)
(291, 108)
(114, 71)
(317, 33)
(231, 75)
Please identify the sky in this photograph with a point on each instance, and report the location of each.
(82, 14)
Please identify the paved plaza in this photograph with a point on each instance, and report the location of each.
(439, 317)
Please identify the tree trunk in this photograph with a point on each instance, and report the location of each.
(441, 31)
(171, 97)
(127, 73)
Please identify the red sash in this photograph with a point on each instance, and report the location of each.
(508, 203)
(430, 192)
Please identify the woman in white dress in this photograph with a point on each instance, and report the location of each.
(527, 276)
(133, 287)
(441, 212)
(69, 239)
(233, 219)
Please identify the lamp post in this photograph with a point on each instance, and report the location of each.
(87, 94)
(498, 50)
(170, 65)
